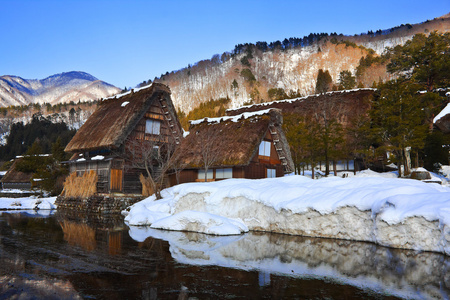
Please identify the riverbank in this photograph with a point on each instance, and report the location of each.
(399, 213)
(26, 203)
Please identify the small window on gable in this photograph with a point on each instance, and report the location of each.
(152, 126)
(264, 148)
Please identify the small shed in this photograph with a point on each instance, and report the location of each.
(250, 145)
(16, 180)
(145, 116)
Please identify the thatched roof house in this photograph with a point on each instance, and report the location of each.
(442, 120)
(15, 179)
(146, 115)
(250, 145)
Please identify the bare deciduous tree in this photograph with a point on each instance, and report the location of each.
(155, 157)
(208, 145)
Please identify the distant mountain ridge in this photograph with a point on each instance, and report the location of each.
(59, 88)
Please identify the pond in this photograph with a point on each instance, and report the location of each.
(64, 256)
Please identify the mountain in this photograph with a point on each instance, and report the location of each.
(59, 88)
(251, 70)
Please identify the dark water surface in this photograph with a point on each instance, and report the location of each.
(61, 256)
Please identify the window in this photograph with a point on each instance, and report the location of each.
(209, 175)
(152, 126)
(271, 173)
(264, 148)
(224, 173)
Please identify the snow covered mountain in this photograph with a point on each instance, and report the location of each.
(248, 75)
(59, 88)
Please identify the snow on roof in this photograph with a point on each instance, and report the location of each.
(301, 98)
(245, 115)
(127, 93)
(443, 113)
(98, 157)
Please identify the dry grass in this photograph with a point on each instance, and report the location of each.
(147, 188)
(84, 186)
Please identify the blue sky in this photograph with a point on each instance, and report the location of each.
(126, 42)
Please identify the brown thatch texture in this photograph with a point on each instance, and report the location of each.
(15, 176)
(232, 143)
(444, 123)
(147, 188)
(114, 119)
(84, 186)
(346, 105)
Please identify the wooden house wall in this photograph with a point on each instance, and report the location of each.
(101, 167)
(188, 175)
(155, 112)
(16, 185)
(131, 181)
(259, 170)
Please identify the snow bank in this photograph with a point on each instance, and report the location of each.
(27, 203)
(394, 212)
(405, 274)
(201, 222)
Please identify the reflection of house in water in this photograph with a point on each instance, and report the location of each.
(92, 234)
(79, 235)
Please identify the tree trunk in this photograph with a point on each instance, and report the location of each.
(407, 152)
(312, 173)
(327, 163)
(334, 167)
(400, 165)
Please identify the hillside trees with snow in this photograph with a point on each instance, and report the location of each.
(401, 115)
(398, 121)
(47, 170)
(346, 80)
(425, 60)
(324, 81)
(22, 136)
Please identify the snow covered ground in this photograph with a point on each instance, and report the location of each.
(400, 213)
(27, 203)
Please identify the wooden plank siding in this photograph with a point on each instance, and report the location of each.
(155, 112)
(116, 180)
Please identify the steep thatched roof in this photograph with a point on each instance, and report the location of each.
(233, 141)
(116, 117)
(15, 176)
(342, 105)
(442, 120)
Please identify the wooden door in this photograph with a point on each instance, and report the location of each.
(116, 180)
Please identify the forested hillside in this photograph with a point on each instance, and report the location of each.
(254, 73)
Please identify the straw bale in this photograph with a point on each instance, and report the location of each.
(147, 188)
(84, 186)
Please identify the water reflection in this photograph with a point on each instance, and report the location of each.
(98, 257)
(408, 274)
